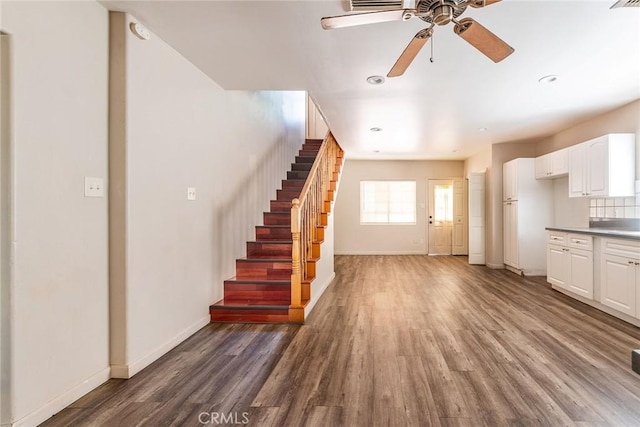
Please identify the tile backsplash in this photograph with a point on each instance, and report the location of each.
(615, 207)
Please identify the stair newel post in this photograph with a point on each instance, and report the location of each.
(296, 310)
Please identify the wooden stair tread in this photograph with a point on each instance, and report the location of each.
(269, 242)
(275, 225)
(276, 260)
(259, 281)
(250, 305)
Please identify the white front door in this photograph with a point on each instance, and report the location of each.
(440, 219)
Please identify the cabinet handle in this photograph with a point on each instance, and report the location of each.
(556, 238)
(637, 263)
(631, 262)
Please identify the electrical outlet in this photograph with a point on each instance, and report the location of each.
(93, 187)
(191, 193)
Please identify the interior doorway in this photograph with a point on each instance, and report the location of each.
(440, 216)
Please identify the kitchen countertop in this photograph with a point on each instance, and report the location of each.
(601, 231)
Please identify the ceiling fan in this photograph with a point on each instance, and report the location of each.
(434, 12)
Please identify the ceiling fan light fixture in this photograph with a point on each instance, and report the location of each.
(552, 78)
(375, 80)
(442, 14)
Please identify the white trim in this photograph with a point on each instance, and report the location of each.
(598, 305)
(127, 371)
(422, 252)
(59, 403)
(319, 292)
(495, 266)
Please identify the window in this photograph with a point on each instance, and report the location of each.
(443, 203)
(387, 202)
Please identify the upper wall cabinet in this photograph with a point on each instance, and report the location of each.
(510, 181)
(553, 165)
(603, 167)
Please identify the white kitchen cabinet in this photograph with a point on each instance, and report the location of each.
(620, 275)
(618, 284)
(510, 181)
(581, 272)
(603, 167)
(527, 210)
(511, 249)
(558, 266)
(552, 165)
(570, 262)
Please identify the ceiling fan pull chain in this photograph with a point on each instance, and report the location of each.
(431, 58)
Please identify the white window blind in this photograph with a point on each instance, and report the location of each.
(387, 202)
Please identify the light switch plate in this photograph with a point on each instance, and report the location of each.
(191, 193)
(93, 187)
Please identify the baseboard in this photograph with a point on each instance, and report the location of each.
(380, 253)
(597, 304)
(59, 403)
(495, 266)
(317, 291)
(128, 371)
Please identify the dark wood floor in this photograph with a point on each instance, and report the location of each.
(398, 341)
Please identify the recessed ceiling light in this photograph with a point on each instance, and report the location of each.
(376, 151)
(548, 79)
(375, 129)
(482, 129)
(375, 80)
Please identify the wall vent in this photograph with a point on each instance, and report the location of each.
(364, 5)
(626, 3)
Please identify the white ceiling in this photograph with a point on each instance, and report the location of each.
(435, 108)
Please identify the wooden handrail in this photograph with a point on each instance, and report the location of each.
(308, 216)
(314, 169)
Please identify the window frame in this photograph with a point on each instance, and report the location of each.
(389, 203)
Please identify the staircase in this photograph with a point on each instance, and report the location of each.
(261, 291)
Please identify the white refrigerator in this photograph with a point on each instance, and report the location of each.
(527, 210)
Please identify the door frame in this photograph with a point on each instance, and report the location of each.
(430, 203)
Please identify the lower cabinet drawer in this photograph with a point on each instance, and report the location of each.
(580, 241)
(621, 247)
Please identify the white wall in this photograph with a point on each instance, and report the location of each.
(60, 284)
(568, 212)
(179, 129)
(316, 127)
(5, 195)
(353, 238)
(182, 130)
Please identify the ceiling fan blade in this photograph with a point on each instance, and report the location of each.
(482, 39)
(410, 52)
(625, 3)
(352, 20)
(481, 3)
